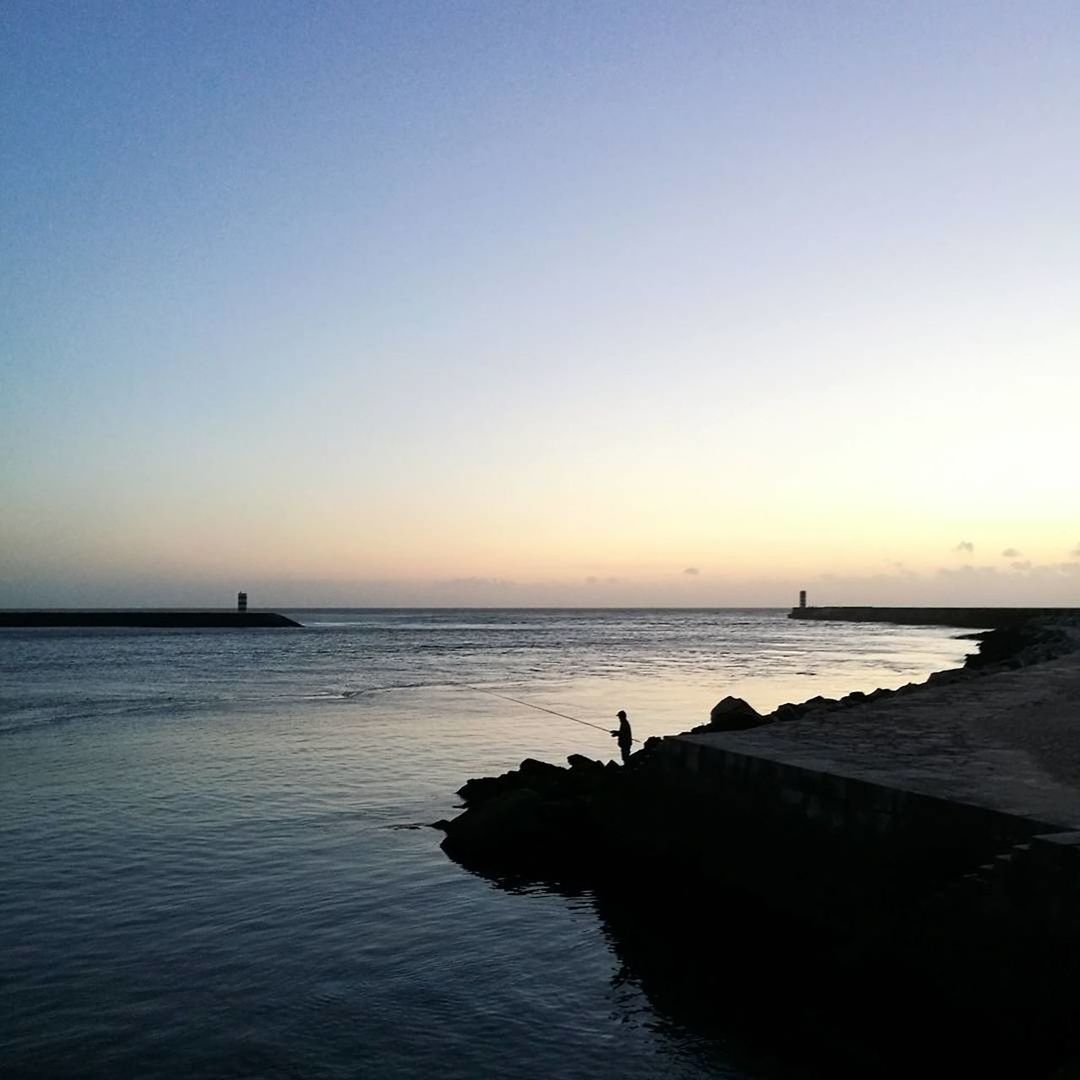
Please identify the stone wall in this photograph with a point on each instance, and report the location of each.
(855, 811)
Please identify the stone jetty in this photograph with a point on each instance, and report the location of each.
(976, 618)
(917, 851)
(186, 620)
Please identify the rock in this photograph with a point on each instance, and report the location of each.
(530, 773)
(584, 764)
(534, 771)
(789, 712)
(482, 788)
(515, 820)
(943, 678)
(734, 714)
(1017, 646)
(543, 815)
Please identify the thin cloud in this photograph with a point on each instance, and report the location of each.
(965, 545)
(1022, 564)
(1011, 553)
(693, 571)
(1075, 553)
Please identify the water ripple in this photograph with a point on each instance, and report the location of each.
(213, 863)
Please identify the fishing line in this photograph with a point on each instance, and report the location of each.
(538, 708)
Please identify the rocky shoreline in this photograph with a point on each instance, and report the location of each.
(548, 814)
(838, 911)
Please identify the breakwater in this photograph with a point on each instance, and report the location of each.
(974, 618)
(906, 863)
(185, 620)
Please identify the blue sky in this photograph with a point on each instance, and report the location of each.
(539, 303)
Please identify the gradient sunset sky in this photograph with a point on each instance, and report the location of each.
(547, 303)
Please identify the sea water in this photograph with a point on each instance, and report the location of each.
(214, 859)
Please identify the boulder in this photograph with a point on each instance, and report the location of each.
(789, 712)
(541, 773)
(514, 820)
(943, 678)
(734, 714)
(581, 763)
(482, 788)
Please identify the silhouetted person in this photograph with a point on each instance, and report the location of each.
(624, 736)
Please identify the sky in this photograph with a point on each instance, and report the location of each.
(506, 304)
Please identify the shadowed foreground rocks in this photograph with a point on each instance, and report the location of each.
(543, 817)
(872, 958)
(859, 961)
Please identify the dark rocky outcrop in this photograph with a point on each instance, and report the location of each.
(517, 819)
(732, 714)
(714, 909)
(560, 819)
(1033, 642)
(951, 675)
(790, 711)
(583, 763)
(903, 969)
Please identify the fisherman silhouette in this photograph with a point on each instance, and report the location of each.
(623, 735)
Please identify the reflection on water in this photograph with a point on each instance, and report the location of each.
(710, 967)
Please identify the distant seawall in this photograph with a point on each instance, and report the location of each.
(972, 618)
(187, 620)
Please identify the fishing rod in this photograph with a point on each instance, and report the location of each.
(539, 708)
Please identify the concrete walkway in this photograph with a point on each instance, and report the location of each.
(1008, 741)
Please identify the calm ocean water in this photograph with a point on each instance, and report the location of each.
(209, 866)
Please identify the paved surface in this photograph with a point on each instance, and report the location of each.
(1008, 741)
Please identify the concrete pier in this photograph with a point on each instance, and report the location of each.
(909, 858)
(985, 618)
(186, 620)
(954, 771)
